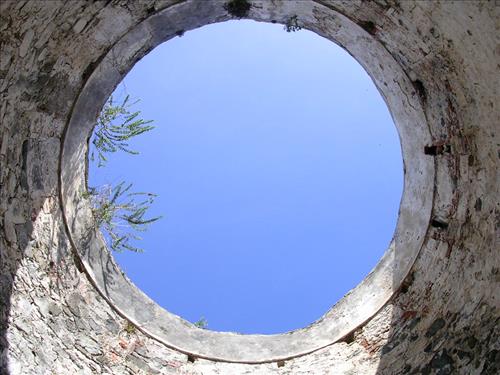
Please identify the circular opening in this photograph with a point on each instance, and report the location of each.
(278, 172)
(355, 308)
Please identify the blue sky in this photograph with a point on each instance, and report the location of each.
(278, 172)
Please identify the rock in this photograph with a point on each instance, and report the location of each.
(88, 344)
(79, 25)
(26, 43)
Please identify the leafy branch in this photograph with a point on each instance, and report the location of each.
(116, 125)
(117, 212)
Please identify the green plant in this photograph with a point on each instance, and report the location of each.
(130, 328)
(86, 194)
(292, 24)
(119, 215)
(202, 323)
(116, 125)
(237, 8)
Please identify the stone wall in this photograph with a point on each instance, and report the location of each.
(443, 319)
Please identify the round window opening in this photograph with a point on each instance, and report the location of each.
(277, 169)
(279, 142)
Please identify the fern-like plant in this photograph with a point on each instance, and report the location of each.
(202, 323)
(116, 125)
(120, 214)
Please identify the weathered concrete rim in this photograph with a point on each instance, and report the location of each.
(358, 305)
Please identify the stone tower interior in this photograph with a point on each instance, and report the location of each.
(431, 306)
